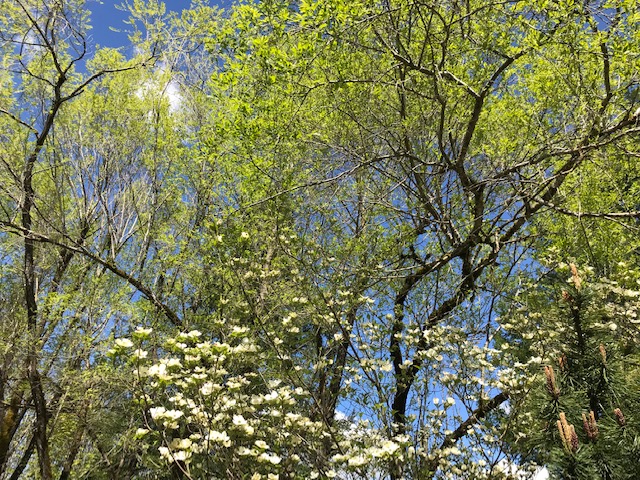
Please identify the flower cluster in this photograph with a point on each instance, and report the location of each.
(208, 408)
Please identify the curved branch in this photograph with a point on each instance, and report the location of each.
(478, 414)
(133, 281)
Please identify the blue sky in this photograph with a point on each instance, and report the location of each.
(104, 15)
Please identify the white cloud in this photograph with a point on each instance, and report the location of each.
(520, 473)
(162, 86)
(341, 416)
(172, 92)
(543, 474)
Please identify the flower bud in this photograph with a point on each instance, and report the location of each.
(590, 426)
(552, 387)
(603, 353)
(567, 434)
(619, 417)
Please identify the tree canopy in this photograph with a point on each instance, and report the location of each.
(320, 239)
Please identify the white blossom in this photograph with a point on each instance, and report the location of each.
(124, 343)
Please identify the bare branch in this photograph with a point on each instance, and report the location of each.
(16, 119)
(141, 287)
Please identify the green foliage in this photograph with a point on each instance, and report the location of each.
(210, 413)
(586, 337)
(332, 197)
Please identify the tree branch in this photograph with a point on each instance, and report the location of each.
(141, 287)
